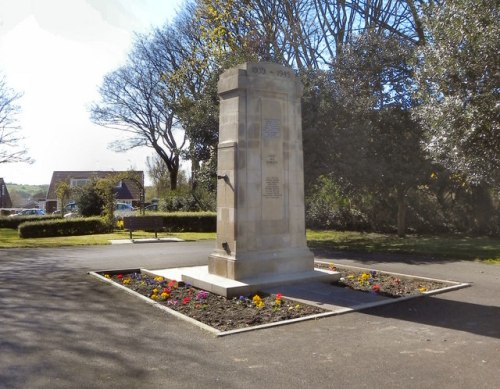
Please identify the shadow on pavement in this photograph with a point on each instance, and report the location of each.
(370, 258)
(440, 312)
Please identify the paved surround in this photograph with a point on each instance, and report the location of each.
(60, 328)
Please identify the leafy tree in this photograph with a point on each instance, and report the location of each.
(63, 193)
(10, 148)
(90, 201)
(458, 78)
(360, 109)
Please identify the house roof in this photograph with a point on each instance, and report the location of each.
(5, 200)
(128, 191)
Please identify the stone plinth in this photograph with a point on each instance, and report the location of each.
(260, 191)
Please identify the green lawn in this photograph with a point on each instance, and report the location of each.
(453, 247)
(443, 246)
(9, 238)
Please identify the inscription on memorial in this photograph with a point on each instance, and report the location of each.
(272, 188)
(280, 73)
(271, 128)
(271, 159)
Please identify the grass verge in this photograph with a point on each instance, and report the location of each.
(453, 247)
(9, 238)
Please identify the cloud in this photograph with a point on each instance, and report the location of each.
(57, 52)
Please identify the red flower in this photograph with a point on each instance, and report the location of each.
(119, 276)
(278, 296)
(166, 290)
(172, 284)
(376, 287)
(186, 300)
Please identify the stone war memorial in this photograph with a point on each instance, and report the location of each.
(261, 238)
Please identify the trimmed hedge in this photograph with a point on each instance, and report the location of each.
(190, 222)
(15, 221)
(63, 227)
(187, 221)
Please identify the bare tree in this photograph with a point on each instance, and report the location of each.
(135, 99)
(10, 148)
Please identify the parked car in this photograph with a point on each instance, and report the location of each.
(30, 212)
(71, 214)
(123, 209)
(151, 207)
(71, 210)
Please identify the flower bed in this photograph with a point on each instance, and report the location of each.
(382, 283)
(226, 314)
(216, 311)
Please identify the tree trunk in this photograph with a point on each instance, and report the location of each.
(173, 178)
(195, 167)
(401, 198)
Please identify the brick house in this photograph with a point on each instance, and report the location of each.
(126, 191)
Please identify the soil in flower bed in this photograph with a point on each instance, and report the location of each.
(216, 311)
(384, 284)
(248, 311)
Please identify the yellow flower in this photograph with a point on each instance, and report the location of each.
(164, 295)
(126, 281)
(154, 296)
(106, 276)
(256, 299)
(155, 291)
(422, 289)
(159, 279)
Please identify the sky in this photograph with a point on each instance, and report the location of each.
(56, 52)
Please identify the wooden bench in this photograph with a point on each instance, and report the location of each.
(143, 223)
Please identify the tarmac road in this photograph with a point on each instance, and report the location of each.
(60, 328)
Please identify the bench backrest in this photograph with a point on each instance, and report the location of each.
(143, 222)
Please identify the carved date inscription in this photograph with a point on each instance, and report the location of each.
(278, 73)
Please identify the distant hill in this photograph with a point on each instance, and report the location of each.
(24, 194)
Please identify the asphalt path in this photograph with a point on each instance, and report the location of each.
(61, 328)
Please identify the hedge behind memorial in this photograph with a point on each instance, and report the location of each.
(63, 227)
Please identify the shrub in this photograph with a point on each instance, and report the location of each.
(198, 200)
(63, 227)
(14, 222)
(190, 222)
(327, 207)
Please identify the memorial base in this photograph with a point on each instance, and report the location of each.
(251, 264)
(199, 277)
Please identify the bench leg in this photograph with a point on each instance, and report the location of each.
(130, 232)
